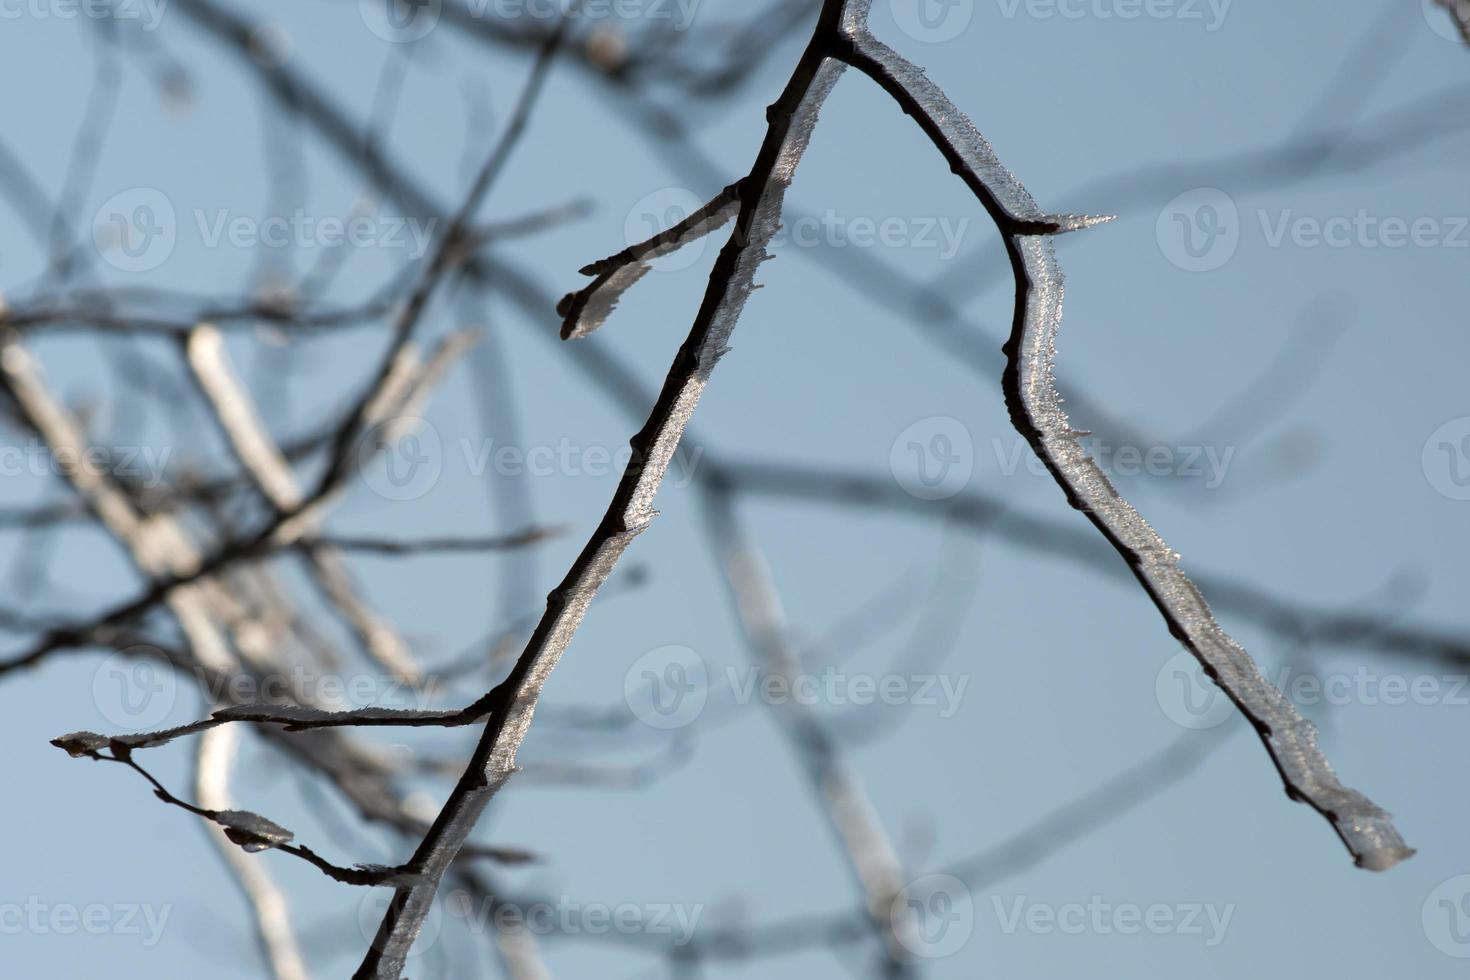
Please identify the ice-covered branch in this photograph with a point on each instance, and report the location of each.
(1036, 409)
(791, 120)
(587, 309)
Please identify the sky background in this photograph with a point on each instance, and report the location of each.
(1313, 378)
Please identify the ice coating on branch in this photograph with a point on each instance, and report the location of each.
(80, 744)
(790, 124)
(289, 716)
(587, 309)
(1036, 409)
(252, 831)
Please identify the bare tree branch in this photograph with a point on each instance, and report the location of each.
(1037, 413)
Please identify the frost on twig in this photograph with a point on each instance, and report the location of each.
(791, 121)
(756, 204)
(250, 831)
(587, 309)
(1036, 410)
(293, 718)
